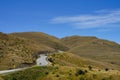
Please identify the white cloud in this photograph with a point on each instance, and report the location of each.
(103, 30)
(98, 19)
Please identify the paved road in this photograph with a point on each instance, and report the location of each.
(8, 71)
(41, 61)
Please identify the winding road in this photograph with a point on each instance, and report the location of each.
(41, 61)
(9, 71)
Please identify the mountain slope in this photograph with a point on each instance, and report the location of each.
(42, 38)
(67, 66)
(16, 51)
(73, 60)
(94, 48)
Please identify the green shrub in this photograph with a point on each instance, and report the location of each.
(46, 73)
(57, 75)
(106, 69)
(90, 67)
(80, 72)
(50, 60)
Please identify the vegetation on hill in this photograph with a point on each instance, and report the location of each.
(94, 48)
(73, 60)
(17, 52)
(98, 59)
(42, 38)
(64, 67)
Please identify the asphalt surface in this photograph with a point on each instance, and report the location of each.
(41, 61)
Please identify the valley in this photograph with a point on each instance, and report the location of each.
(72, 58)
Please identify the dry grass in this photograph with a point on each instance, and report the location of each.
(94, 48)
(22, 48)
(67, 66)
(16, 50)
(69, 59)
(61, 73)
(42, 38)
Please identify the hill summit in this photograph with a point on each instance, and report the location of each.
(94, 48)
(21, 49)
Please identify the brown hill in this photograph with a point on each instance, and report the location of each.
(42, 38)
(94, 48)
(73, 60)
(17, 51)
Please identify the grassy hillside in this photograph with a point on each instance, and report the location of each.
(42, 38)
(62, 73)
(16, 51)
(67, 66)
(73, 60)
(94, 48)
(20, 49)
(98, 59)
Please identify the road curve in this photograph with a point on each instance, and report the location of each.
(9, 71)
(41, 61)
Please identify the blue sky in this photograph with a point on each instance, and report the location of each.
(100, 18)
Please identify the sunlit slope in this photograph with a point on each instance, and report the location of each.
(94, 48)
(73, 60)
(42, 38)
(15, 51)
(65, 66)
